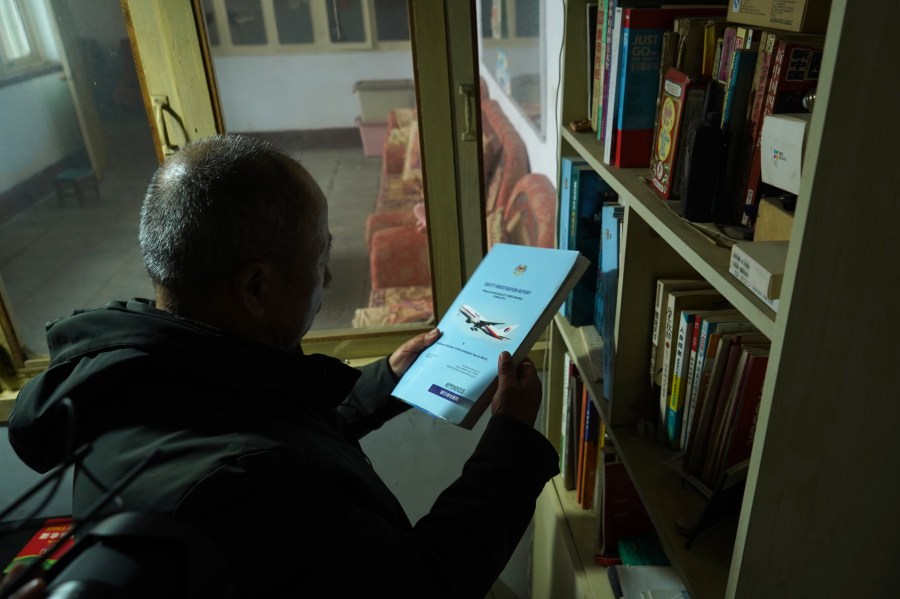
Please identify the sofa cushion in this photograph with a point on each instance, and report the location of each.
(412, 162)
(530, 215)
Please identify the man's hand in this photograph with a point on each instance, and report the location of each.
(406, 354)
(518, 392)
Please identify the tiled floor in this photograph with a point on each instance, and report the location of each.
(58, 257)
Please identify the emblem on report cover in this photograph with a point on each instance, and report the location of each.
(520, 270)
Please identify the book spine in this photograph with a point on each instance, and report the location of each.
(665, 385)
(695, 346)
(612, 96)
(599, 53)
(676, 395)
(744, 428)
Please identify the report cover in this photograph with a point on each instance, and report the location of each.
(505, 305)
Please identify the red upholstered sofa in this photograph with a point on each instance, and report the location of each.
(520, 208)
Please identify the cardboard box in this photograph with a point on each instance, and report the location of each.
(782, 144)
(378, 96)
(808, 16)
(773, 222)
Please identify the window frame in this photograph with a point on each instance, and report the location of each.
(170, 50)
(34, 63)
(322, 43)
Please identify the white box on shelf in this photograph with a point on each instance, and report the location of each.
(782, 145)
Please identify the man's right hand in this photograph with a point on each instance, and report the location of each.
(518, 392)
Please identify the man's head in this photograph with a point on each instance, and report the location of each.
(235, 233)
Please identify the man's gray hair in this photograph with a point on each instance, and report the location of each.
(215, 205)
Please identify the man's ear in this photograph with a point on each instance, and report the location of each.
(252, 286)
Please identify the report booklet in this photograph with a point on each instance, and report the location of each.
(505, 305)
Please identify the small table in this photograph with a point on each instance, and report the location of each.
(75, 179)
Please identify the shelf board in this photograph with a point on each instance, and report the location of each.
(582, 525)
(709, 260)
(704, 566)
(576, 349)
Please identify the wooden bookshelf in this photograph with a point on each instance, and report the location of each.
(816, 505)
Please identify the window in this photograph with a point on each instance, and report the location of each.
(290, 26)
(18, 49)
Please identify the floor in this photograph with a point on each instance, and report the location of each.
(56, 257)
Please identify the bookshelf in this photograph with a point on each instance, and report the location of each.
(819, 515)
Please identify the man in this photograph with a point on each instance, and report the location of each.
(255, 443)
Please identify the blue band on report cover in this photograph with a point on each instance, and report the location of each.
(450, 395)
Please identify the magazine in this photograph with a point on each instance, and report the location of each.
(505, 306)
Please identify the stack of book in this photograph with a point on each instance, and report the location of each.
(708, 364)
(676, 84)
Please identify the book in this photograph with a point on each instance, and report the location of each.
(610, 40)
(691, 42)
(760, 266)
(743, 430)
(734, 110)
(563, 219)
(723, 71)
(588, 193)
(42, 541)
(591, 9)
(599, 57)
(569, 425)
(680, 103)
(687, 330)
(676, 302)
(591, 444)
(505, 305)
(794, 70)
(612, 215)
(663, 287)
(638, 79)
(611, 86)
(730, 402)
(712, 48)
(622, 513)
(723, 321)
(720, 350)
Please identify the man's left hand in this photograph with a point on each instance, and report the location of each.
(406, 354)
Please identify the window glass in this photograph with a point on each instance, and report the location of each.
(14, 41)
(346, 21)
(245, 22)
(527, 18)
(71, 185)
(212, 27)
(294, 21)
(350, 119)
(391, 20)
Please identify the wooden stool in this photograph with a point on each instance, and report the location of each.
(75, 179)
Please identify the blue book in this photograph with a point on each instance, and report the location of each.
(589, 192)
(565, 200)
(505, 305)
(611, 217)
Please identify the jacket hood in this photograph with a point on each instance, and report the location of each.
(129, 362)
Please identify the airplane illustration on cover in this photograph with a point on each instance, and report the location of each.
(488, 328)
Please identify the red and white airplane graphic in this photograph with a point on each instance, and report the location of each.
(491, 329)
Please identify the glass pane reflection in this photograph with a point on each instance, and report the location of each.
(350, 118)
(67, 243)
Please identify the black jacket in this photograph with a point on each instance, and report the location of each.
(258, 450)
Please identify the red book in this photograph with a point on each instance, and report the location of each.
(747, 412)
(43, 541)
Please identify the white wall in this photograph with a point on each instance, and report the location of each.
(300, 91)
(43, 131)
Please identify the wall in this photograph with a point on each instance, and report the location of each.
(45, 127)
(300, 91)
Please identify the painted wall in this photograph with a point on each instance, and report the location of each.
(300, 91)
(40, 117)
